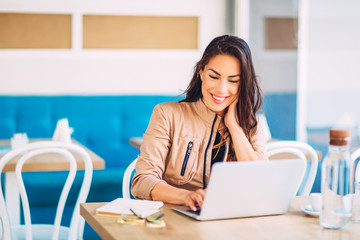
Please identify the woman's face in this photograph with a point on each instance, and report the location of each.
(220, 82)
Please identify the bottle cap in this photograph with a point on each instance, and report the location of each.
(339, 137)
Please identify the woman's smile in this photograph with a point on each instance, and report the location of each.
(220, 82)
(218, 99)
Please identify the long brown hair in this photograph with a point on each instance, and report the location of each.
(250, 95)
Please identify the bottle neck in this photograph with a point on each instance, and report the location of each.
(337, 148)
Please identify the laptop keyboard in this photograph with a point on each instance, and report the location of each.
(197, 212)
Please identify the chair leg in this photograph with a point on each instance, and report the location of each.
(81, 228)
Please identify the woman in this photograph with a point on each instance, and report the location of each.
(215, 122)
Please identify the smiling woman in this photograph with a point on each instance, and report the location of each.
(216, 122)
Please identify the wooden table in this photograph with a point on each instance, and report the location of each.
(293, 225)
(41, 163)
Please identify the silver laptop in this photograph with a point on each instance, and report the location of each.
(246, 189)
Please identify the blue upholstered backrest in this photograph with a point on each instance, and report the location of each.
(103, 123)
(106, 123)
(280, 111)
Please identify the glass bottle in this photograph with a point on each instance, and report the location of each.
(336, 184)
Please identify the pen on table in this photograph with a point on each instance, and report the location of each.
(135, 213)
(157, 218)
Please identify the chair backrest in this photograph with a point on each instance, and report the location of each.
(299, 149)
(37, 148)
(355, 155)
(127, 179)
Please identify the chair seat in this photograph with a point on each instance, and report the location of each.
(39, 232)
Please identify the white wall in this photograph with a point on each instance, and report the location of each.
(333, 58)
(277, 69)
(79, 71)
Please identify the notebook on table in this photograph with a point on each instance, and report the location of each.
(247, 189)
(122, 206)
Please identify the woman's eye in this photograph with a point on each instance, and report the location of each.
(234, 81)
(213, 77)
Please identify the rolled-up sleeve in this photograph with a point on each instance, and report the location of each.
(153, 152)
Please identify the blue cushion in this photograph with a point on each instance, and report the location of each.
(280, 111)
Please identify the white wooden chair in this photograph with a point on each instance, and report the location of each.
(127, 179)
(47, 231)
(355, 155)
(300, 150)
